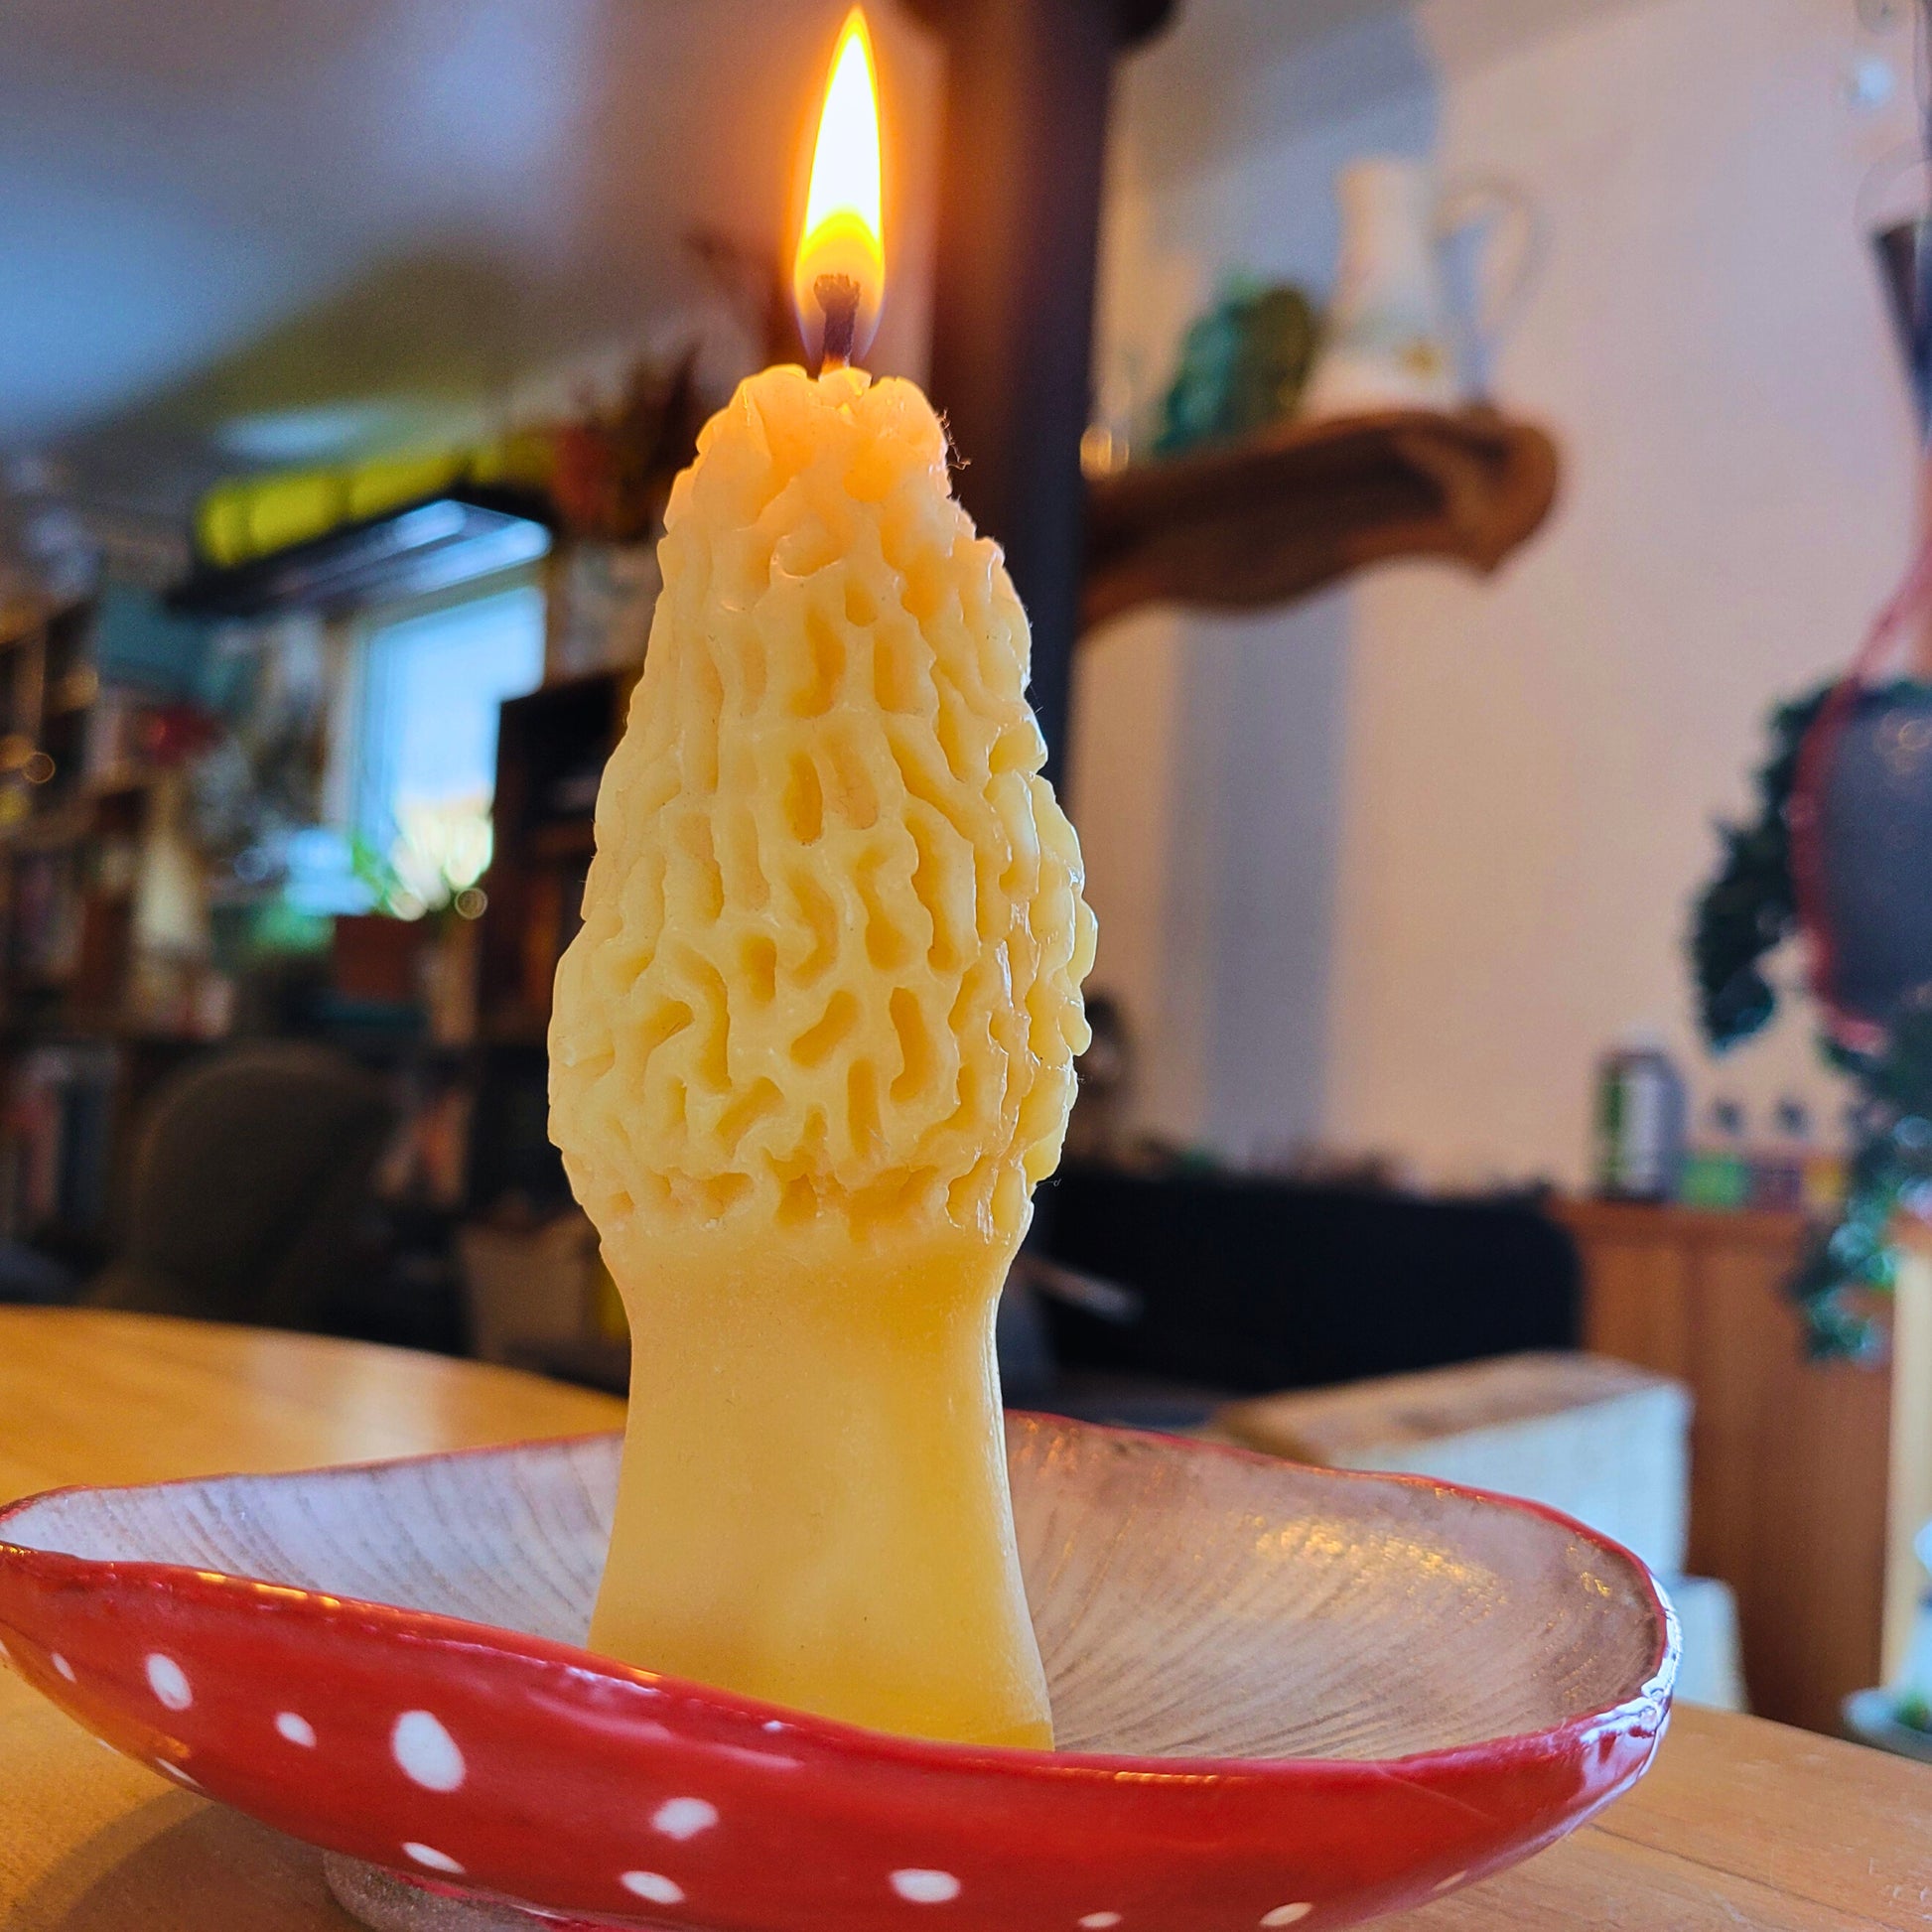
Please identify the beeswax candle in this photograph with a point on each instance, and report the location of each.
(814, 1043)
(811, 1051)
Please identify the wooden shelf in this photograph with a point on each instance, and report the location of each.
(1278, 515)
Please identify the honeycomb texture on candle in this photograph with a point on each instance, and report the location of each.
(833, 933)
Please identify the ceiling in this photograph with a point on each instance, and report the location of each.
(238, 233)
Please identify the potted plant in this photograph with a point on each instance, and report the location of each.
(1841, 851)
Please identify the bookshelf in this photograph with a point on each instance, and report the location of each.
(74, 1063)
(550, 753)
(551, 750)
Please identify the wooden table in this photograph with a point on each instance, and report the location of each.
(1742, 1824)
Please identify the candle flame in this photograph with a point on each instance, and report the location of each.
(841, 258)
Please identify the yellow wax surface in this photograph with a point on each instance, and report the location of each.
(811, 1051)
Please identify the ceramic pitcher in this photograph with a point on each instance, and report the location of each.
(1395, 339)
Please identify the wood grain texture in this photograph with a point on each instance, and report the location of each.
(1740, 1824)
(99, 1398)
(1788, 1457)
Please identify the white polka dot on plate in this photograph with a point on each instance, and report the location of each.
(919, 1888)
(296, 1728)
(427, 1854)
(1287, 1914)
(61, 1664)
(653, 1885)
(425, 1752)
(1099, 1921)
(682, 1817)
(169, 1682)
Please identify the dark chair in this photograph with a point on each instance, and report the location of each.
(249, 1175)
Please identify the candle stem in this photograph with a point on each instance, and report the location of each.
(837, 297)
(813, 1506)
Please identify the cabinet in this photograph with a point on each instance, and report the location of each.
(1789, 1457)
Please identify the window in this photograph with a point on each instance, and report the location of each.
(426, 741)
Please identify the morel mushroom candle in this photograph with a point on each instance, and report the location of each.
(811, 1051)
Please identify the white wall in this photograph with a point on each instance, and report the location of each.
(1389, 869)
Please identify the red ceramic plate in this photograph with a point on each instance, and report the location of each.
(1283, 1695)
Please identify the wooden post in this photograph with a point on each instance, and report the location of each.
(1909, 1497)
(1025, 148)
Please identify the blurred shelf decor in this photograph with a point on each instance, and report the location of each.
(415, 549)
(1290, 509)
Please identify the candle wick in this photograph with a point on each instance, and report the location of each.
(837, 297)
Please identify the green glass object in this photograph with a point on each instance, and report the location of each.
(1242, 366)
(1715, 1178)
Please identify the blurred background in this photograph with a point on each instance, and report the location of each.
(1450, 448)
